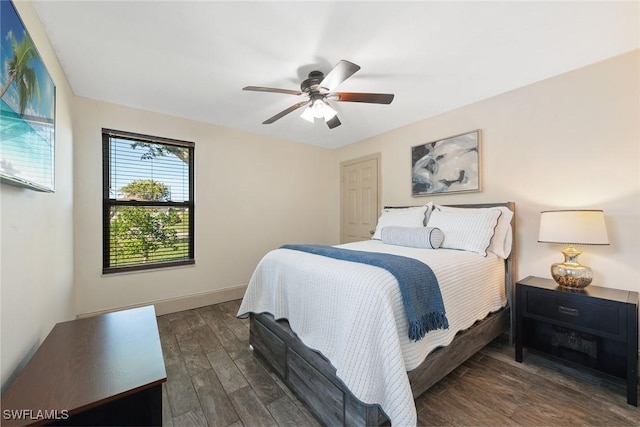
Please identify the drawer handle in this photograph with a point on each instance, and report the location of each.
(568, 311)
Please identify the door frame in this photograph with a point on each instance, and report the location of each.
(374, 156)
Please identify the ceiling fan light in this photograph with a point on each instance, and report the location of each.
(308, 115)
(328, 112)
(322, 110)
(318, 109)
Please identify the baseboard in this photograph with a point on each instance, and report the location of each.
(186, 302)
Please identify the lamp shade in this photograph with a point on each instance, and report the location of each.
(318, 109)
(573, 227)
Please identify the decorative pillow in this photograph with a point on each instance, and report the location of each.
(404, 217)
(503, 238)
(415, 237)
(466, 230)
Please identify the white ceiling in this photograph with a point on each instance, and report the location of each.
(191, 59)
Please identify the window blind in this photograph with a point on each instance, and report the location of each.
(147, 200)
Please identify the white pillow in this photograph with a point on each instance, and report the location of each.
(466, 230)
(414, 237)
(503, 238)
(404, 217)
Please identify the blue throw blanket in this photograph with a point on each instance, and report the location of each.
(418, 285)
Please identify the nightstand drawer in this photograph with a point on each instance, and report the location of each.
(580, 314)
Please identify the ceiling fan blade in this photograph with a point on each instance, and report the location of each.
(334, 122)
(340, 73)
(373, 98)
(283, 113)
(272, 89)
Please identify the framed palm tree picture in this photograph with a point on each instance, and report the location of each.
(27, 108)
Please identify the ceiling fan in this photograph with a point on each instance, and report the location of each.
(319, 89)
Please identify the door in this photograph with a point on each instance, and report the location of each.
(359, 198)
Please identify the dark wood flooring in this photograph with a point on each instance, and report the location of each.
(214, 379)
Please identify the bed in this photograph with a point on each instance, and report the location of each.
(335, 331)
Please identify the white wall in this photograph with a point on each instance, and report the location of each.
(572, 141)
(252, 195)
(36, 240)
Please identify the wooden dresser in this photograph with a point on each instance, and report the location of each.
(103, 370)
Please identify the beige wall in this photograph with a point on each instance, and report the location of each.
(572, 141)
(252, 195)
(36, 244)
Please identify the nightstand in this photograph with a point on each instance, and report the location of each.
(594, 327)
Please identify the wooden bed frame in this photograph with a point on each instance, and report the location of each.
(313, 379)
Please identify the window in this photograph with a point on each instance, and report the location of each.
(147, 202)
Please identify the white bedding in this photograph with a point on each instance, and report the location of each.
(353, 314)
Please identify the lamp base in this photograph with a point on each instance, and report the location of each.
(570, 273)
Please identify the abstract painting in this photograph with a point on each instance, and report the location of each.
(446, 166)
(27, 108)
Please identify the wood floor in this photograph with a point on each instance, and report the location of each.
(214, 379)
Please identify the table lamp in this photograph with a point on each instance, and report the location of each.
(572, 227)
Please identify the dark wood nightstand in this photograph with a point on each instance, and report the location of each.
(595, 327)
